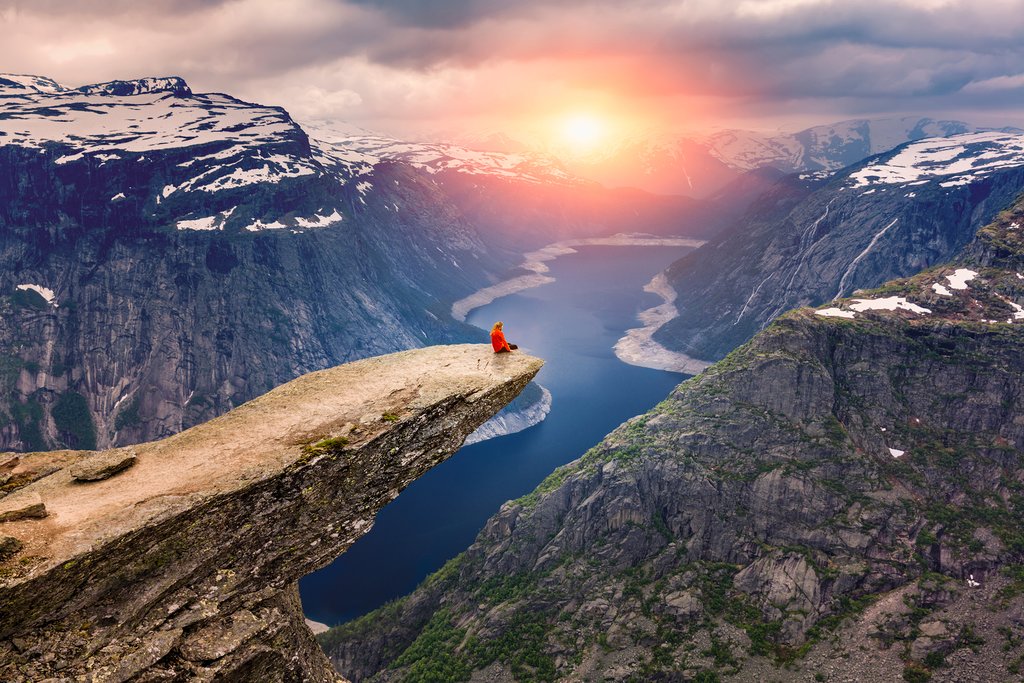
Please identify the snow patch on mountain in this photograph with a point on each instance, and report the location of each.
(19, 83)
(960, 278)
(356, 152)
(968, 157)
(318, 221)
(44, 292)
(834, 312)
(890, 303)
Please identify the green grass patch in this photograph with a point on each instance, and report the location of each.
(432, 658)
(329, 446)
(27, 416)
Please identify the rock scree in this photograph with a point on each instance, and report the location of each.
(184, 565)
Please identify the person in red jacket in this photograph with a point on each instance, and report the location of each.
(498, 339)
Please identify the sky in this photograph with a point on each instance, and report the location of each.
(418, 68)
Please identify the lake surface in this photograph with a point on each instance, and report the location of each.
(572, 323)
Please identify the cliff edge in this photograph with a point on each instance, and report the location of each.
(178, 559)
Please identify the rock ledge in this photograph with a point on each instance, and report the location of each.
(184, 566)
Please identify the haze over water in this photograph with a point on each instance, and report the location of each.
(572, 323)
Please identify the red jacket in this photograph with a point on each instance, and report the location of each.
(498, 341)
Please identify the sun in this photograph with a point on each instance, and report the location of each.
(582, 130)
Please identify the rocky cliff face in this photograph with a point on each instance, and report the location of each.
(816, 237)
(177, 559)
(167, 255)
(842, 496)
(151, 331)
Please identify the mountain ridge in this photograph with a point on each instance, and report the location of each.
(702, 164)
(139, 86)
(815, 236)
(841, 496)
(169, 255)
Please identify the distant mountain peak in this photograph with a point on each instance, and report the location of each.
(139, 86)
(20, 84)
(27, 84)
(963, 158)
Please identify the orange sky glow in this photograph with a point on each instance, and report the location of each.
(415, 69)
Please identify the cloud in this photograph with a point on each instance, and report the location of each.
(996, 84)
(403, 60)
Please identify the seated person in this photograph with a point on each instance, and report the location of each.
(498, 339)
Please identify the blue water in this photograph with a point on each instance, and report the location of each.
(572, 323)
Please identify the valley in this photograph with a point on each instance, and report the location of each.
(572, 322)
(777, 433)
(848, 481)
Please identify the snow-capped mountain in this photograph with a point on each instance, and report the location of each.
(826, 147)
(959, 160)
(227, 147)
(821, 235)
(356, 151)
(701, 165)
(166, 255)
(213, 146)
(13, 83)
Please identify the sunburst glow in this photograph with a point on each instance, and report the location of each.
(583, 131)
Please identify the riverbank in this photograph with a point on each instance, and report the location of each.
(535, 262)
(528, 409)
(573, 324)
(638, 346)
(316, 627)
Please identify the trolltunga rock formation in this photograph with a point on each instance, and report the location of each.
(182, 564)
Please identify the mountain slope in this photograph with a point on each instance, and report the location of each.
(701, 165)
(814, 237)
(198, 255)
(167, 255)
(854, 471)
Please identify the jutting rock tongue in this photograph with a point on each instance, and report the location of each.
(182, 562)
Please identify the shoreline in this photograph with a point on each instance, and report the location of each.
(317, 627)
(515, 421)
(535, 262)
(638, 347)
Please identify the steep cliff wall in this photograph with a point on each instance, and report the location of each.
(196, 250)
(183, 566)
(816, 237)
(855, 472)
(153, 330)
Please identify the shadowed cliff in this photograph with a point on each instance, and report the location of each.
(840, 499)
(177, 559)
